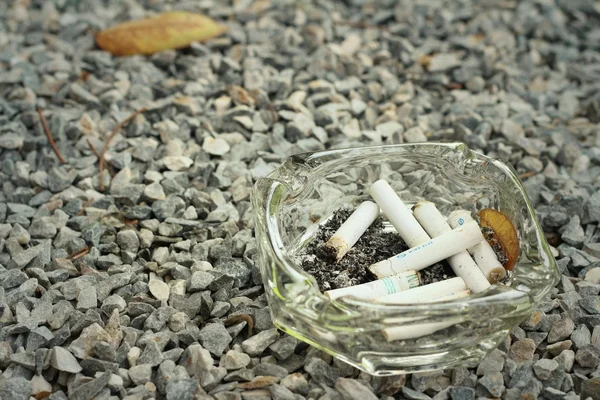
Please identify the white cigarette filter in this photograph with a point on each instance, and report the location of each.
(430, 252)
(409, 329)
(482, 252)
(427, 293)
(434, 223)
(414, 331)
(353, 228)
(398, 214)
(381, 287)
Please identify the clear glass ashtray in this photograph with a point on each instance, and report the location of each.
(306, 189)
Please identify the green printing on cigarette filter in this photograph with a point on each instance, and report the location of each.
(403, 281)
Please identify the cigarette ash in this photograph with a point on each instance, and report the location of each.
(374, 245)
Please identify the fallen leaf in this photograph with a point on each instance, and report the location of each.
(505, 235)
(259, 382)
(170, 30)
(424, 60)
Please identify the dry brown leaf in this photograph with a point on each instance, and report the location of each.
(424, 60)
(504, 233)
(170, 30)
(259, 382)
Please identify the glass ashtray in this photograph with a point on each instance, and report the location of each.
(306, 189)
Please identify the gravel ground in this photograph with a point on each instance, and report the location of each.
(159, 305)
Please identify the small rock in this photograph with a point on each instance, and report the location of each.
(493, 383)
(83, 346)
(544, 367)
(64, 361)
(593, 275)
(591, 304)
(199, 281)
(151, 355)
(90, 389)
(561, 330)
(352, 389)
(462, 393)
(297, 383)
(181, 388)
(177, 163)
(566, 359)
(128, 240)
(215, 338)
(269, 369)
(556, 348)
(234, 360)
(522, 350)
(413, 394)
(140, 374)
(590, 389)
(10, 141)
(15, 388)
(159, 289)
(415, 135)
(196, 360)
(588, 356)
(255, 345)
(320, 371)
(279, 392)
(284, 347)
(573, 233)
(215, 146)
(442, 62)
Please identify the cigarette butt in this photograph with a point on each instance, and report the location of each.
(414, 331)
(434, 223)
(398, 214)
(430, 252)
(482, 252)
(409, 328)
(381, 287)
(426, 293)
(453, 296)
(353, 228)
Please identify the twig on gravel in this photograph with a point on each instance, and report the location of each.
(527, 174)
(79, 253)
(49, 135)
(93, 149)
(82, 254)
(113, 133)
(239, 318)
(361, 25)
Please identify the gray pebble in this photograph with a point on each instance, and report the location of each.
(544, 367)
(255, 345)
(522, 350)
(90, 389)
(63, 360)
(588, 356)
(181, 389)
(320, 371)
(561, 330)
(140, 374)
(15, 388)
(215, 338)
(461, 393)
(414, 395)
(268, 369)
(581, 336)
